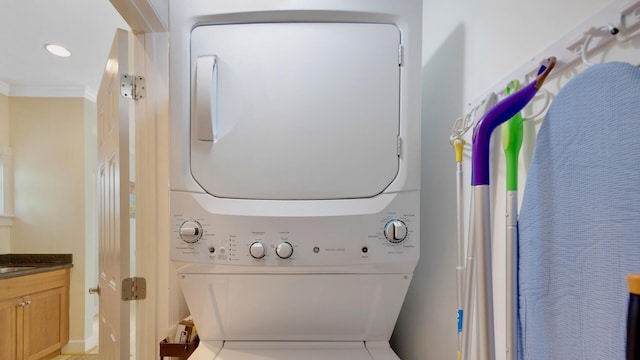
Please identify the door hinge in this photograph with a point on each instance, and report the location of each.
(399, 146)
(400, 55)
(134, 288)
(132, 86)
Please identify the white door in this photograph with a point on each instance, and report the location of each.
(113, 175)
(295, 111)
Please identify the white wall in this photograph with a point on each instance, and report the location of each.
(5, 229)
(91, 220)
(468, 46)
(4, 120)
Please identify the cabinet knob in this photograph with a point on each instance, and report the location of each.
(95, 290)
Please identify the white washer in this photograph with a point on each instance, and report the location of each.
(295, 173)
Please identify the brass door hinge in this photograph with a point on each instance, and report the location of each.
(134, 288)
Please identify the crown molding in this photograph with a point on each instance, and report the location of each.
(49, 91)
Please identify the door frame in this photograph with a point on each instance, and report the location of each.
(164, 305)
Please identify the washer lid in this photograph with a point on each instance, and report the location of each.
(295, 110)
(293, 351)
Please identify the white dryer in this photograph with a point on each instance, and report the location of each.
(295, 173)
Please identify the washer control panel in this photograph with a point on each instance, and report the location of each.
(395, 231)
(284, 250)
(257, 250)
(203, 237)
(190, 231)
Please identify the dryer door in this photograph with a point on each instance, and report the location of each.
(295, 110)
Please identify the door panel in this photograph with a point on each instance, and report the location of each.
(295, 110)
(113, 168)
(9, 329)
(44, 323)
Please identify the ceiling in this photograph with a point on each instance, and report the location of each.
(85, 27)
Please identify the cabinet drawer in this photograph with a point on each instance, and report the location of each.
(28, 284)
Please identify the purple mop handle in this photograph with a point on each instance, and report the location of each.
(501, 112)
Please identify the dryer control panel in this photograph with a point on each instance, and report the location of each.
(199, 235)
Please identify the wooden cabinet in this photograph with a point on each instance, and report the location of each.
(8, 327)
(34, 315)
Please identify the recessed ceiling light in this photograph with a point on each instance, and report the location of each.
(57, 50)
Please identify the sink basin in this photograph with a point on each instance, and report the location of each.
(7, 269)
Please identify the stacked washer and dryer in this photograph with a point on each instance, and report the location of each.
(295, 173)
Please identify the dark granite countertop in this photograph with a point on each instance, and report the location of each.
(13, 265)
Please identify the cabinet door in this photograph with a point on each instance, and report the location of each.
(9, 329)
(45, 323)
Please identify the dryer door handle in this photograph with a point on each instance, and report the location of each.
(205, 99)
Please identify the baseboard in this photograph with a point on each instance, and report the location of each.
(90, 343)
(80, 346)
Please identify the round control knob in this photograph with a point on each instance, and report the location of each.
(190, 231)
(284, 250)
(395, 231)
(257, 250)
